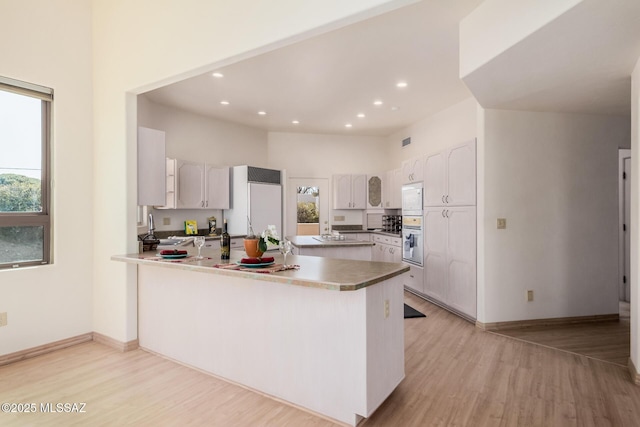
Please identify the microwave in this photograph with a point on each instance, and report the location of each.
(412, 199)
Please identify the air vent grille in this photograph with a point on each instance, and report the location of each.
(267, 176)
(406, 141)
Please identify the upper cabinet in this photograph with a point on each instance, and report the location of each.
(375, 191)
(412, 170)
(450, 176)
(192, 185)
(349, 191)
(151, 167)
(392, 189)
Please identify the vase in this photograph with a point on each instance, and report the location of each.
(251, 248)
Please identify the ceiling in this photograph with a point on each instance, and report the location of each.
(325, 81)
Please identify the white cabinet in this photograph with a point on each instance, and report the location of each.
(216, 187)
(349, 191)
(190, 178)
(414, 278)
(450, 176)
(375, 184)
(412, 170)
(450, 257)
(192, 185)
(151, 167)
(392, 189)
(387, 249)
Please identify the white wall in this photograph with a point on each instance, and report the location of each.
(198, 138)
(50, 303)
(554, 178)
(437, 132)
(635, 215)
(139, 46)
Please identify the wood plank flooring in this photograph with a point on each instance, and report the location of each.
(456, 374)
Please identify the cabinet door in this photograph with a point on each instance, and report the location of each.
(378, 252)
(413, 170)
(151, 167)
(461, 175)
(396, 195)
(341, 191)
(461, 259)
(358, 191)
(190, 185)
(375, 185)
(217, 188)
(435, 253)
(435, 179)
(414, 278)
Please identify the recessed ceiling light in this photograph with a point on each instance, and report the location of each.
(348, 125)
(401, 84)
(224, 102)
(217, 75)
(262, 113)
(361, 115)
(377, 102)
(295, 122)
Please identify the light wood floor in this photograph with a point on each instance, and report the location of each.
(456, 374)
(607, 341)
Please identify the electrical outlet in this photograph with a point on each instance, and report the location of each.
(338, 218)
(166, 221)
(502, 223)
(3, 319)
(386, 308)
(529, 296)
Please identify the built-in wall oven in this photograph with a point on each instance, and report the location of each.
(412, 239)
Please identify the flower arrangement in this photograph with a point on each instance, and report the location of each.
(271, 235)
(268, 235)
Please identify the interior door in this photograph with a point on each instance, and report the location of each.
(322, 184)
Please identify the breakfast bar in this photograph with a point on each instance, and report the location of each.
(327, 336)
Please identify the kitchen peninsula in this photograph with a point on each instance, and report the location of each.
(327, 337)
(332, 246)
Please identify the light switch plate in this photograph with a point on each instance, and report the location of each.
(166, 221)
(502, 223)
(3, 319)
(338, 218)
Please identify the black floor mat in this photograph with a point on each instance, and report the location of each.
(410, 312)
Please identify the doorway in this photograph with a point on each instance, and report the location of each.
(624, 227)
(308, 206)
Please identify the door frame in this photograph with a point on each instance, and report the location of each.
(623, 153)
(292, 190)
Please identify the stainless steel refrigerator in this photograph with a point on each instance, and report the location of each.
(256, 196)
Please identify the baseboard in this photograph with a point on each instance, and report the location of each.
(635, 377)
(45, 348)
(555, 321)
(115, 344)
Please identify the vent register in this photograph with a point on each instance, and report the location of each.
(266, 176)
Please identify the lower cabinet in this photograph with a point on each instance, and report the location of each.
(450, 257)
(386, 249)
(414, 279)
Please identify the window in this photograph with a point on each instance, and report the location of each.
(25, 221)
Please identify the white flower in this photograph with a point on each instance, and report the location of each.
(271, 235)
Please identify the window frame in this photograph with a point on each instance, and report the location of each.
(43, 218)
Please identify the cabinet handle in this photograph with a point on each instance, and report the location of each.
(202, 204)
(443, 198)
(207, 203)
(447, 198)
(443, 213)
(447, 213)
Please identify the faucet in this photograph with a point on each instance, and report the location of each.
(152, 227)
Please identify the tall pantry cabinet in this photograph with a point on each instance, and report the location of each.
(450, 228)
